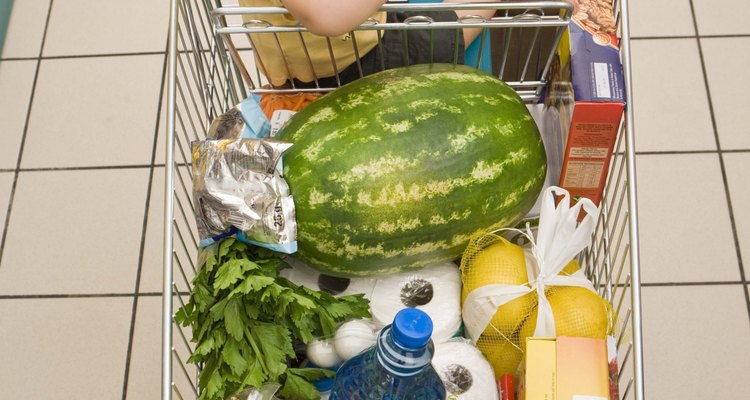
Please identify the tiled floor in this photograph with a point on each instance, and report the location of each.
(81, 197)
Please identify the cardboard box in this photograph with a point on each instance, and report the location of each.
(591, 54)
(566, 368)
(582, 369)
(538, 377)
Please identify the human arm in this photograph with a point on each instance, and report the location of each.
(332, 17)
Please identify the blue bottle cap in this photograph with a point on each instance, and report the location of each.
(412, 328)
(324, 385)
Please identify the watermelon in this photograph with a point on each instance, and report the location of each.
(397, 170)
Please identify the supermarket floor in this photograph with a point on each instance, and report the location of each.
(81, 181)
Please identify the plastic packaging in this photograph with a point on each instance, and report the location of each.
(398, 367)
(236, 187)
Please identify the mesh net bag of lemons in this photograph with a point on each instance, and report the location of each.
(504, 284)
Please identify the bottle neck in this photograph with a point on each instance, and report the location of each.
(401, 361)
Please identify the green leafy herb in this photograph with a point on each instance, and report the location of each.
(245, 319)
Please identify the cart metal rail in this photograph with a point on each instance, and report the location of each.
(211, 68)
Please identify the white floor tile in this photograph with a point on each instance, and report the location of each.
(94, 112)
(74, 232)
(722, 17)
(670, 104)
(6, 184)
(79, 27)
(64, 348)
(16, 81)
(738, 175)
(685, 232)
(726, 60)
(144, 380)
(649, 18)
(26, 28)
(153, 254)
(695, 342)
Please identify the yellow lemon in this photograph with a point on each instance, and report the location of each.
(503, 355)
(500, 263)
(577, 312)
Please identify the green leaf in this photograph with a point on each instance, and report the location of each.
(254, 376)
(225, 246)
(217, 310)
(304, 301)
(276, 345)
(210, 379)
(232, 271)
(209, 264)
(232, 356)
(252, 283)
(312, 374)
(298, 388)
(252, 311)
(233, 320)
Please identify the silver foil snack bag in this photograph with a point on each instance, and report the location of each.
(237, 189)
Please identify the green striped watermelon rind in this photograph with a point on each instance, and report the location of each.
(398, 170)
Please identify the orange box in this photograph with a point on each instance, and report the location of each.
(582, 369)
(591, 140)
(566, 368)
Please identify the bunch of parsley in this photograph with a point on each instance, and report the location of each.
(245, 320)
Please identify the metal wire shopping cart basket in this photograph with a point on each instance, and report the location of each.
(211, 69)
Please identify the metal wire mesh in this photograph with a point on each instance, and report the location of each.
(212, 68)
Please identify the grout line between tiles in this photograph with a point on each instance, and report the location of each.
(725, 181)
(101, 55)
(23, 136)
(86, 168)
(738, 35)
(149, 193)
(63, 57)
(671, 284)
(82, 295)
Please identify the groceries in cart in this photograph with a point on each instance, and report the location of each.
(386, 200)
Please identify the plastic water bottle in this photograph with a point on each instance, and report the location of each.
(398, 367)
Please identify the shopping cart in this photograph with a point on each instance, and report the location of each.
(211, 69)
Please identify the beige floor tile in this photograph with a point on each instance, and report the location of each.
(685, 233)
(6, 184)
(738, 175)
(722, 17)
(94, 112)
(69, 348)
(16, 81)
(78, 27)
(152, 269)
(74, 232)
(26, 28)
(661, 18)
(695, 342)
(671, 106)
(144, 380)
(726, 59)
